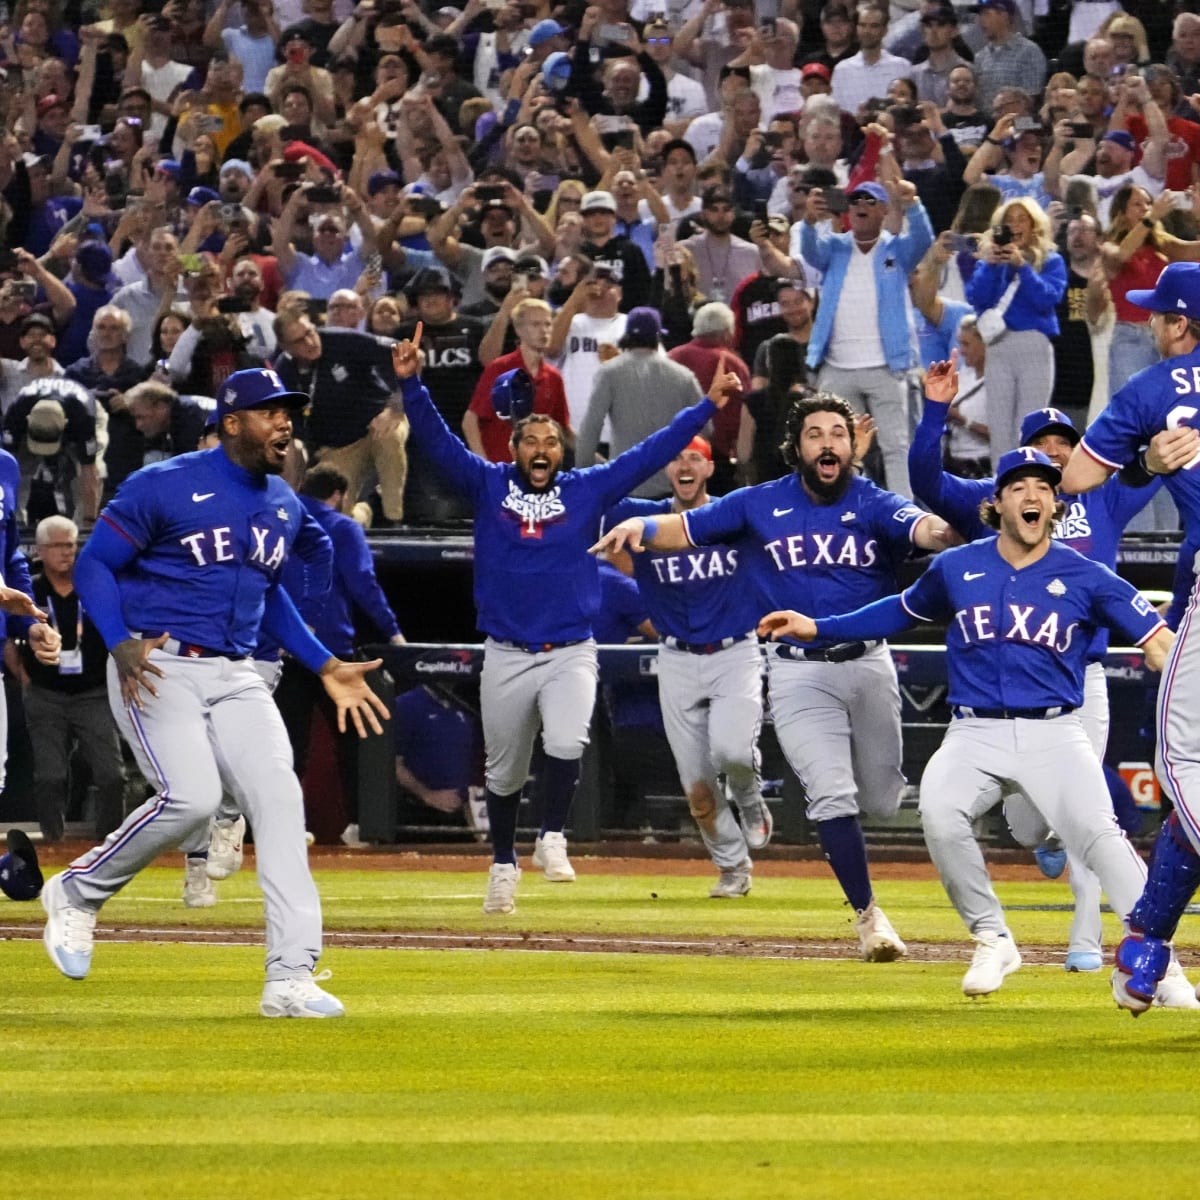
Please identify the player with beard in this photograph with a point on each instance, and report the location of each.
(836, 540)
(537, 593)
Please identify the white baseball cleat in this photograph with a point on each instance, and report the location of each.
(734, 882)
(502, 888)
(69, 931)
(550, 856)
(225, 847)
(299, 998)
(877, 940)
(1173, 989)
(995, 957)
(757, 823)
(198, 890)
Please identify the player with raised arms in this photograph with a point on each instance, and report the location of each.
(180, 576)
(537, 592)
(1021, 610)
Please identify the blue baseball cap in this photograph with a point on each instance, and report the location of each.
(1120, 137)
(543, 31)
(378, 180)
(200, 196)
(875, 190)
(1177, 292)
(255, 388)
(512, 395)
(20, 876)
(1025, 461)
(556, 71)
(1044, 420)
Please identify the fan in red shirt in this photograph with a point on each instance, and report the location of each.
(488, 434)
(1183, 148)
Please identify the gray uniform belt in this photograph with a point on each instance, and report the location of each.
(841, 652)
(1010, 714)
(703, 647)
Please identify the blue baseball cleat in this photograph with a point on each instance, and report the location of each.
(1051, 862)
(1141, 962)
(1083, 960)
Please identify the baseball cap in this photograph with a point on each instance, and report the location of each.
(295, 151)
(1177, 292)
(44, 428)
(94, 260)
(36, 160)
(429, 280)
(20, 877)
(835, 11)
(1026, 461)
(37, 320)
(1122, 138)
(495, 254)
(543, 31)
(169, 166)
(1008, 6)
(943, 15)
(255, 388)
(556, 71)
(199, 196)
(512, 395)
(875, 190)
(237, 164)
(532, 264)
(643, 324)
(48, 103)
(1047, 420)
(598, 202)
(820, 70)
(378, 180)
(296, 33)
(777, 223)
(700, 445)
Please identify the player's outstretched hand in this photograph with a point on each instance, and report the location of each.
(346, 685)
(725, 384)
(1171, 449)
(626, 536)
(46, 643)
(787, 623)
(406, 355)
(941, 380)
(19, 604)
(134, 667)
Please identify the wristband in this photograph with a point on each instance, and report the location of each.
(1149, 224)
(1145, 465)
(649, 528)
(991, 141)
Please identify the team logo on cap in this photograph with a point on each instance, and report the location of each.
(1056, 587)
(282, 514)
(230, 396)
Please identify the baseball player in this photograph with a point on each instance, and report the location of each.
(536, 591)
(827, 538)
(1020, 611)
(1092, 525)
(180, 575)
(709, 675)
(1164, 396)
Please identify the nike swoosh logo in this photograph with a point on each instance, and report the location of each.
(198, 496)
(969, 575)
(780, 512)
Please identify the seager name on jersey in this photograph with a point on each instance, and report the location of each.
(214, 546)
(1021, 623)
(822, 549)
(533, 509)
(700, 564)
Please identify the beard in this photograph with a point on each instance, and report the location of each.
(826, 491)
(559, 293)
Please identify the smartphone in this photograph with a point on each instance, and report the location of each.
(192, 264)
(374, 265)
(231, 212)
(767, 27)
(964, 243)
(289, 171)
(494, 4)
(8, 260)
(209, 124)
(835, 199)
(324, 193)
(489, 193)
(232, 304)
(316, 308)
(759, 212)
(772, 140)
(1027, 125)
(618, 34)
(902, 114)
(89, 133)
(1081, 129)
(622, 139)
(23, 290)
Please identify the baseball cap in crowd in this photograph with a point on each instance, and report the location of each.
(532, 264)
(512, 395)
(94, 260)
(777, 223)
(598, 202)
(199, 196)
(37, 320)
(296, 33)
(875, 190)
(1016, 464)
(20, 877)
(1122, 138)
(543, 31)
(169, 166)
(497, 254)
(1048, 420)
(715, 195)
(44, 427)
(943, 15)
(427, 281)
(643, 325)
(237, 164)
(255, 388)
(295, 151)
(835, 12)
(1177, 292)
(556, 71)
(36, 160)
(1008, 6)
(49, 103)
(818, 70)
(378, 180)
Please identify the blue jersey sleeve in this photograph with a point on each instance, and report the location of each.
(315, 552)
(881, 619)
(281, 622)
(953, 499)
(106, 551)
(1121, 607)
(433, 437)
(357, 570)
(926, 599)
(721, 520)
(1120, 431)
(895, 521)
(1123, 502)
(632, 506)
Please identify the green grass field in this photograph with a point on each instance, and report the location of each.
(484, 1073)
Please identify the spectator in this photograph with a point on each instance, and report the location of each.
(1015, 290)
(705, 132)
(151, 67)
(685, 96)
(722, 260)
(619, 254)
(616, 93)
(931, 160)
(780, 365)
(638, 392)
(939, 29)
(18, 301)
(1011, 162)
(961, 115)
(869, 73)
(66, 705)
(334, 263)
(297, 45)
(1009, 58)
(170, 424)
(252, 43)
(797, 305)
(143, 301)
(837, 33)
(1183, 147)
(489, 435)
(678, 179)
(346, 310)
(861, 338)
(774, 77)
(90, 283)
(1184, 56)
(1075, 374)
(755, 301)
(497, 271)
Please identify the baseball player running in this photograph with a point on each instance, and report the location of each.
(536, 591)
(180, 574)
(1092, 525)
(1021, 610)
(1164, 396)
(709, 675)
(826, 538)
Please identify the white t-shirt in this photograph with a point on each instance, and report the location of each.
(704, 133)
(161, 82)
(854, 340)
(1106, 189)
(855, 81)
(973, 409)
(777, 91)
(581, 359)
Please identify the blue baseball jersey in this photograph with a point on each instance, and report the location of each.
(622, 607)
(813, 557)
(1020, 638)
(15, 564)
(534, 580)
(692, 595)
(1160, 397)
(1092, 524)
(206, 542)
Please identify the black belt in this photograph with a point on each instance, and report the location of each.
(538, 647)
(674, 643)
(841, 652)
(1013, 714)
(188, 649)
